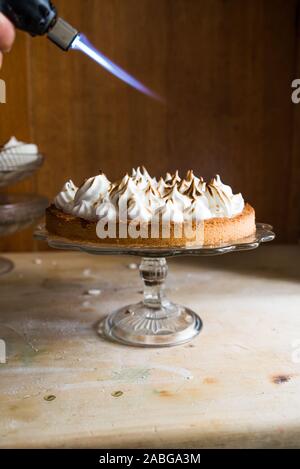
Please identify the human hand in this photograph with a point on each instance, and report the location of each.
(7, 36)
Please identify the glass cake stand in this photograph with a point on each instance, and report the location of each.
(18, 212)
(10, 174)
(155, 321)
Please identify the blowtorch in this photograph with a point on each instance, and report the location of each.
(40, 17)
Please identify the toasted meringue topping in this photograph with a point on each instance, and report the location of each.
(202, 185)
(222, 202)
(126, 192)
(162, 187)
(93, 189)
(190, 176)
(170, 212)
(85, 210)
(140, 197)
(118, 187)
(199, 210)
(65, 199)
(106, 210)
(137, 210)
(168, 177)
(176, 197)
(89, 195)
(174, 179)
(183, 186)
(193, 192)
(152, 197)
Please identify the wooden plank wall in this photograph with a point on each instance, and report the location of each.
(225, 67)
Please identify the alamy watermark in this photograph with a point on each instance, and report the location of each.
(2, 352)
(2, 92)
(120, 223)
(296, 93)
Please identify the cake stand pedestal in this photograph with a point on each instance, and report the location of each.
(155, 321)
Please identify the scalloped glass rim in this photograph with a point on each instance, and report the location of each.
(263, 234)
(17, 206)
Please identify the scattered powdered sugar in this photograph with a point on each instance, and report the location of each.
(38, 261)
(87, 273)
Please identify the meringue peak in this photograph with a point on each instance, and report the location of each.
(193, 192)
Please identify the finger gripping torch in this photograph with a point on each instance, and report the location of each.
(39, 17)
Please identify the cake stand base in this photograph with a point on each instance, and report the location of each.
(138, 325)
(6, 266)
(154, 322)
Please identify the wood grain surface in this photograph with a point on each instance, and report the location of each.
(236, 385)
(225, 68)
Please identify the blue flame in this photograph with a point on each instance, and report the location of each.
(81, 43)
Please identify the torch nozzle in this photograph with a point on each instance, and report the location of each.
(62, 34)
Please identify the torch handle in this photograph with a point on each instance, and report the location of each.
(33, 16)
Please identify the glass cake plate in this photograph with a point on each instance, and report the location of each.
(155, 321)
(18, 212)
(10, 174)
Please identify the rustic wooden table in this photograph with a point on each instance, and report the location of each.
(236, 385)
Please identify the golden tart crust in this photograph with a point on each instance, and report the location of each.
(214, 232)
